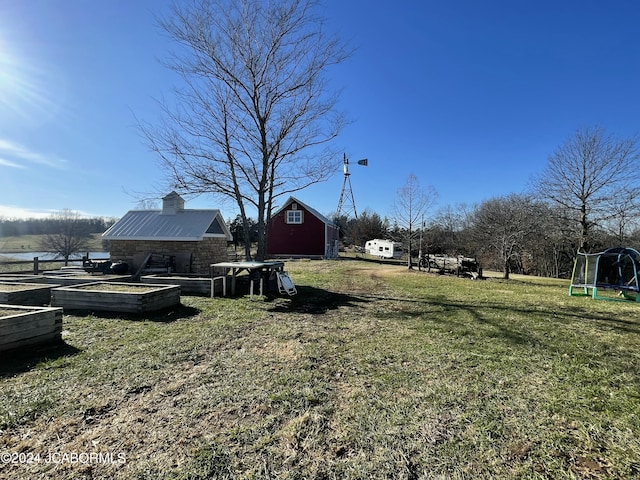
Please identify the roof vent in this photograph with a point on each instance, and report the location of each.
(172, 204)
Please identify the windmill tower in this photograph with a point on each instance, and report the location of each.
(347, 202)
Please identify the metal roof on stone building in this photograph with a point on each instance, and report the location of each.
(171, 223)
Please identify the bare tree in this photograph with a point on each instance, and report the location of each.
(71, 235)
(550, 249)
(147, 204)
(446, 233)
(503, 226)
(411, 205)
(587, 174)
(625, 213)
(253, 118)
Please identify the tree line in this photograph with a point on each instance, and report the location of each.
(515, 233)
(587, 198)
(51, 225)
(64, 233)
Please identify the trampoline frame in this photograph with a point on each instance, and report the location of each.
(627, 290)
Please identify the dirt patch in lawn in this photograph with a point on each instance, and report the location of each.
(113, 287)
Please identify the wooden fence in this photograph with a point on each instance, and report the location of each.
(37, 262)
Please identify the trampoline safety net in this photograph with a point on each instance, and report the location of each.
(614, 269)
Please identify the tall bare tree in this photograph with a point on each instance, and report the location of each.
(588, 175)
(412, 203)
(254, 117)
(70, 236)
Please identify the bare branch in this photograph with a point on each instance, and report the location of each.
(71, 235)
(588, 174)
(410, 207)
(253, 113)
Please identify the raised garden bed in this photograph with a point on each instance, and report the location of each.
(189, 285)
(116, 297)
(79, 279)
(14, 293)
(22, 326)
(23, 278)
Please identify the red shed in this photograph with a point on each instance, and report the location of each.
(297, 230)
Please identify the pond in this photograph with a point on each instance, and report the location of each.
(28, 256)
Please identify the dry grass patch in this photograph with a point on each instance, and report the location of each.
(369, 372)
(13, 287)
(117, 287)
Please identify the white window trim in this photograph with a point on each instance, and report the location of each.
(294, 217)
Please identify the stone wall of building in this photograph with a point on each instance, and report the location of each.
(203, 253)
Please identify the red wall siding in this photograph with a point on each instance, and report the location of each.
(293, 239)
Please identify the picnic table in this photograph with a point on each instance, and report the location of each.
(256, 270)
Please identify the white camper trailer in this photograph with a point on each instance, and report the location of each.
(383, 248)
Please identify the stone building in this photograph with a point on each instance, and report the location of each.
(189, 240)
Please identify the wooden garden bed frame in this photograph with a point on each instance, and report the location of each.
(22, 278)
(75, 279)
(16, 293)
(189, 284)
(22, 326)
(103, 296)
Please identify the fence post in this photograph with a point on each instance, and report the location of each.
(36, 267)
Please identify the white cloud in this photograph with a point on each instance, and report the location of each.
(10, 211)
(18, 155)
(7, 163)
(13, 212)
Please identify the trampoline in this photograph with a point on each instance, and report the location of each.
(615, 269)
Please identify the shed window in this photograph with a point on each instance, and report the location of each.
(294, 216)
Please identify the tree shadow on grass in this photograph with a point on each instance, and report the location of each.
(25, 358)
(557, 316)
(317, 301)
(543, 333)
(166, 315)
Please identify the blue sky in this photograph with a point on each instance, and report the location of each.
(469, 96)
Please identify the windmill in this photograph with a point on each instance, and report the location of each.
(347, 202)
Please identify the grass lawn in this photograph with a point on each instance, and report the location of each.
(369, 372)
